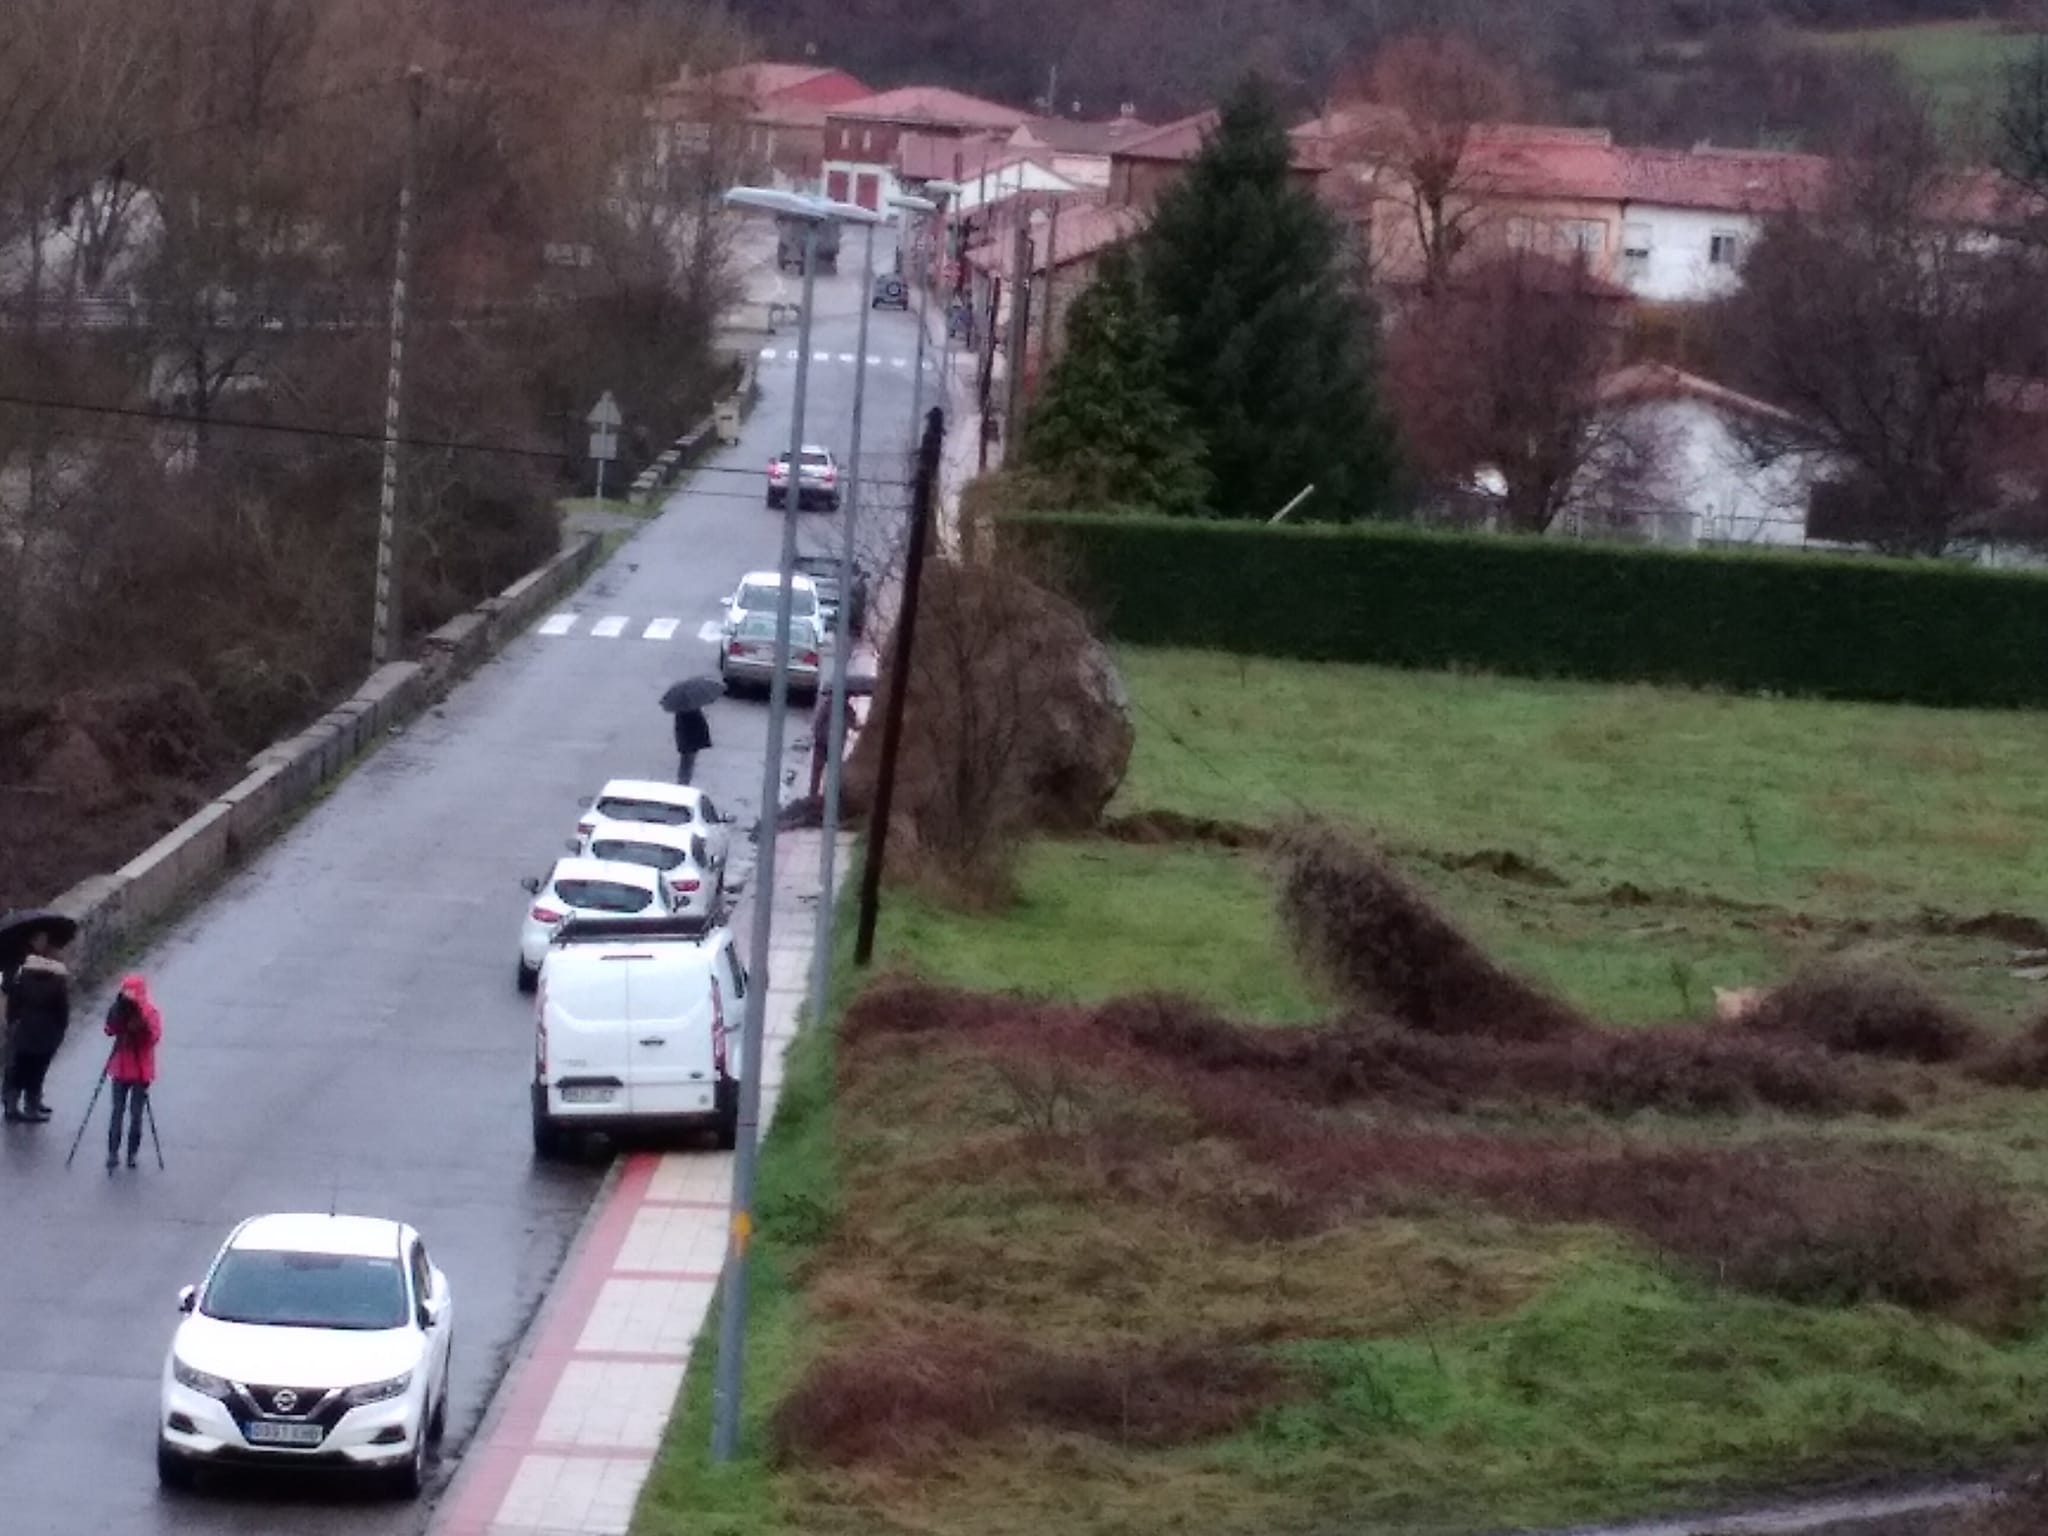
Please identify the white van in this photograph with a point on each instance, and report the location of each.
(637, 1027)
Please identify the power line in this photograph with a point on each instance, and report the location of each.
(331, 434)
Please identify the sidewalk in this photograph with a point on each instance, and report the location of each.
(578, 1419)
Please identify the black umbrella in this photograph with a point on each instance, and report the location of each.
(17, 928)
(692, 693)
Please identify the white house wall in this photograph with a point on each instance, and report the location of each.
(1709, 489)
(1679, 269)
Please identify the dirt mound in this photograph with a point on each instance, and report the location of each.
(88, 779)
(2021, 1062)
(1503, 863)
(913, 1392)
(1389, 950)
(1159, 828)
(1867, 1011)
(2014, 928)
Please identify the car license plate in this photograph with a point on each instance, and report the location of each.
(588, 1095)
(284, 1434)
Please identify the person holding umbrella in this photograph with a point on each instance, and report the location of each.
(686, 701)
(38, 989)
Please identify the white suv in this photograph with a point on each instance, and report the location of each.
(817, 481)
(316, 1341)
(577, 887)
(637, 1028)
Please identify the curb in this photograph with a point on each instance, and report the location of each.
(112, 910)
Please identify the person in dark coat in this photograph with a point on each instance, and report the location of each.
(135, 1027)
(821, 736)
(693, 735)
(38, 1014)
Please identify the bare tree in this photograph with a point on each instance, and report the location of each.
(1499, 371)
(1436, 90)
(1895, 331)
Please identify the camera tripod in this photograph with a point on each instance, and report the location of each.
(148, 1114)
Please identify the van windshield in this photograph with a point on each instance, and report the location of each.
(603, 896)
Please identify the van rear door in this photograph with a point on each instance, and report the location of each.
(586, 1015)
(674, 1034)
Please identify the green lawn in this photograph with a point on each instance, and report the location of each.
(1958, 63)
(1465, 1373)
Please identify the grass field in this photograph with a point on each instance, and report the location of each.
(938, 1209)
(1958, 63)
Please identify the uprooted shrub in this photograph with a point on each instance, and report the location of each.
(1386, 948)
(1866, 1011)
(1016, 720)
(920, 1391)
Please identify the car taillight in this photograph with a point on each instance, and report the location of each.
(717, 1028)
(736, 648)
(546, 915)
(689, 885)
(830, 475)
(809, 658)
(540, 1035)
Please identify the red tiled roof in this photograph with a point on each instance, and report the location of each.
(1085, 229)
(1181, 140)
(928, 156)
(932, 104)
(1731, 180)
(1641, 383)
(1068, 136)
(818, 85)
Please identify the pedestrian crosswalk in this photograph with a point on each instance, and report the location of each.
(622, 626)
(845, 359)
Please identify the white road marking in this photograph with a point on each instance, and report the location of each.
(846, 357)
(662, 629)
(768, 354)
(874, 362)
(897, 362)
(609, 628)
(821, 357)
(710, 632)
(790, 355)
(560, 624)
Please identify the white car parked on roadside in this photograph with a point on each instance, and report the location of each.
(683, 853)
(586, 887)
(314, 1341)
(662, 805)
(761, 592)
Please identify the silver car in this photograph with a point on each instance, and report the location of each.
(747, 659)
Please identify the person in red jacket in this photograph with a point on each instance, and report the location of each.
(135, 1027)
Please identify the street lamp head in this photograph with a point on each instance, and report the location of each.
(912, 203)
(794, 205)
(943, 189)
(849, 213)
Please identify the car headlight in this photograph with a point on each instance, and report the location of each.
(203, 1382)
(377, 1391)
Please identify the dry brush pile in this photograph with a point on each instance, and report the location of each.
(1445, 1086)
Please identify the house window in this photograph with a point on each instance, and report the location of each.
(1586, 236)
(1635, 242)
(1723, 248)
(1521, 233)
(867, 139)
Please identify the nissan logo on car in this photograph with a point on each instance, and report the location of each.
(284, 1401)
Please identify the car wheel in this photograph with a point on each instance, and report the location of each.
(529, 976)
(409, 1478)
(728, 1132)
(550, 1141)
(174, 1471)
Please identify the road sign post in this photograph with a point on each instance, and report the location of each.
(604, 420)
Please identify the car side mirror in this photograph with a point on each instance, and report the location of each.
(188, 1298)
(530, 885)
(429, 1314)
(572, 845)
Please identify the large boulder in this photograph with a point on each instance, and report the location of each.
(1017, 717)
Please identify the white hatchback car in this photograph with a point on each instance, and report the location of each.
(696, 879)
(314, 1341)
(662, 805)
(761, 592)
(578, 887)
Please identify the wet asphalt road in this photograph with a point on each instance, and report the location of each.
(341, 1022)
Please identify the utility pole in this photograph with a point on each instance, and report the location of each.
(387, 633)
(905, 638)
(842, 662)
(986, 386)
(1048, 332)
(732, 1316)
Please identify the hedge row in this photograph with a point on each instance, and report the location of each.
(1833, 627)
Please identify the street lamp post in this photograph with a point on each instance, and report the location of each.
(911, 203)
(948, 195)
(732, 1334)
(842, 648)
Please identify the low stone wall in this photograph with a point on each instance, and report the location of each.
(694, 444)
(286, 776)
